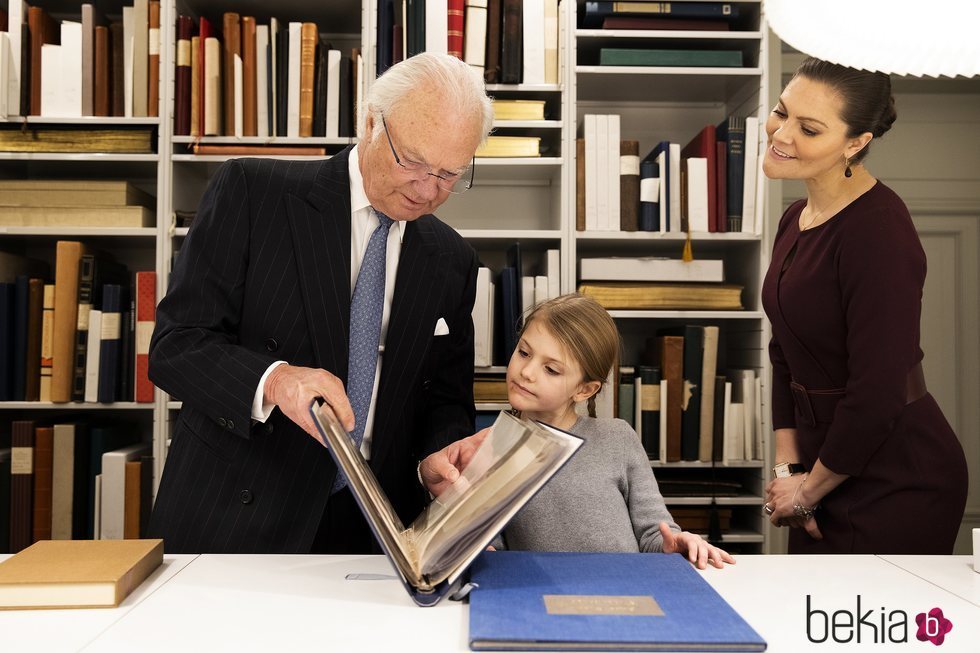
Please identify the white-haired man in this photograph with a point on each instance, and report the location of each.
(268, 308)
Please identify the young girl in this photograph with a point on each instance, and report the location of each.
(605, 498)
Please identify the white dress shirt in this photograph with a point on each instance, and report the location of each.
(363, 222)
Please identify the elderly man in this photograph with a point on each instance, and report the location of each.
(327, 279)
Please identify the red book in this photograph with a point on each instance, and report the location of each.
(146, 307)
(182, 77)
(43, 468)
(204, 31)
(455, 27)
(703, 145)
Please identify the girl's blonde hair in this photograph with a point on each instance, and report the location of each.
(586, 331)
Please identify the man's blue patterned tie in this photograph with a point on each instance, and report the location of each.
(366, 307)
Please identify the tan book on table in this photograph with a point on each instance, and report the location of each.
(307, 74)
(661, 296)
(67, 256)
(72, 192)
(77, 573)
(76, 216)
(153, 60)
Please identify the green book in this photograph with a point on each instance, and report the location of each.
(635, 57)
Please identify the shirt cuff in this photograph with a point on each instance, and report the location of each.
(260, 409)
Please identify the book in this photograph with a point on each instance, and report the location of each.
(145, 320)
(515, 460)
(43, 466)
(596, 12)
(18, 138)
(629, 185)
(76, 216)
(717, 58)
(492, 71)
(655, 296)
(77, 573)
(642, 22)
(67, 267)
(475, 34)
(526, 600)
(153, 59)
(259, 150)
(691, 369)
(504, 146)
(505, 109)
(651, 268)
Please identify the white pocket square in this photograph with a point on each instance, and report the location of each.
(442, 329)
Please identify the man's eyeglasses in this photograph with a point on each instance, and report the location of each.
(453, 182)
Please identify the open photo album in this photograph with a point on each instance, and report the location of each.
(431, 555)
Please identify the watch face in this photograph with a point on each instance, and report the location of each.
(781, 470)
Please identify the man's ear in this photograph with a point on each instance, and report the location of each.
(586, 390)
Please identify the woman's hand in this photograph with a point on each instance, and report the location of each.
(781, 495)
(698, 551)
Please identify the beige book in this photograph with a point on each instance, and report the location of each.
(63, 481)
(307, 68)
(504, 146)
(213, 112)
(46, 139)
(67, 257)
(709, 366)
(653, 296)
(515, 460)
(77, 573)
(195, 86)
(114, 489)
(505, 109)
(141, 57)
(76, 216)
(72, 192)
(47, 342)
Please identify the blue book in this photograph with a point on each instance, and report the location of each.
(600, 601)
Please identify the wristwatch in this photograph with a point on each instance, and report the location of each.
(781, 470)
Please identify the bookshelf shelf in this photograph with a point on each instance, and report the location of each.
(634, 83)
(220, 158)
(259, 140)
(674, 237)
(687, 315)
(85, 121)
(694, 464)
(70, 406)
(525, 88)
(602, 35)
(80, 157)
(527, 124)
(100, 232)
(508, 236)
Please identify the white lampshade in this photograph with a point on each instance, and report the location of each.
(900, 37)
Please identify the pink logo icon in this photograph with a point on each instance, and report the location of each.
(933, 626)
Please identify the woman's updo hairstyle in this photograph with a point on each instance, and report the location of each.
(868, 102)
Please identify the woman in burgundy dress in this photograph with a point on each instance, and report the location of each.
(874, 465)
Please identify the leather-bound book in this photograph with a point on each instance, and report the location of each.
(491, 74)
(231, 43)
(67, 259)
(43, 458)
(629, 185)
(118, 73)
(32, 364)
(668, 353)
(153, 60)
(182, 77)
(250, 125)
(103, 72)
(146, 292)
(454, 25)
(511, 42)
(21, 484)
(320, 91)
(307, 76)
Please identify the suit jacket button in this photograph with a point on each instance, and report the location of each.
(230, 425)
(246, 496)
(271, 344)
(426, 384)
(268, 428)
(222, 422)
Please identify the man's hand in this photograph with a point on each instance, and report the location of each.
(293, 389)
(441, 469)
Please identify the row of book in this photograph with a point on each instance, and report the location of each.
(91, 67)
(688, 16)
(710, 185)
(502, 299)
(681, 404)
(280, 79)
(83, 338)
(508, 41)
(72, 480)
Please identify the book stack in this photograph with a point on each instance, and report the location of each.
(85, 67)
(74, 480)
(74, 203)
(517, 291)
(667, 16)
(240, 78)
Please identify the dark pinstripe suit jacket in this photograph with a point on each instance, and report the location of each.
(264, 275)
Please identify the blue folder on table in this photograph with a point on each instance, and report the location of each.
(600, 601)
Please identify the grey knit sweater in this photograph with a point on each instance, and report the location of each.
(604, 499)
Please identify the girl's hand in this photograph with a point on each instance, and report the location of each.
(698, 551)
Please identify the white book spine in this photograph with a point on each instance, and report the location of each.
(697, 194)
(262, 80)
(5, 73)
(94, 349)
(212, 87)
(437, 26)
(481, 308)
(97, 521)
(674, 178)
(475, 34)
(540, 289)
(638, 391)
(751, 174)
(292, 85)
(333, 93)
(551, 30)
(129, 41)
(553, 271)
(591, 169)
(613, 172)
(663, 186)
(51, 99)
(114, 488)
(527, 294)
(239, 97)
(533, 42)
(602, 174)
(663, 420)
(16, 16)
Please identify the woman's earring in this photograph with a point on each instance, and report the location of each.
(847, 168)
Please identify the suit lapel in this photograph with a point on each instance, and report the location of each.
(418, 290)
(320, 226)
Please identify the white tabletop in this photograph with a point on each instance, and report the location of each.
(300, 603)
(953, 573)
(71, 630)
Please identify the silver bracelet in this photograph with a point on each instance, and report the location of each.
(418, 473)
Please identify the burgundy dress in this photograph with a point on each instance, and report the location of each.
(844, 299)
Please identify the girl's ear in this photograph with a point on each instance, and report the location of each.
(586, 390)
